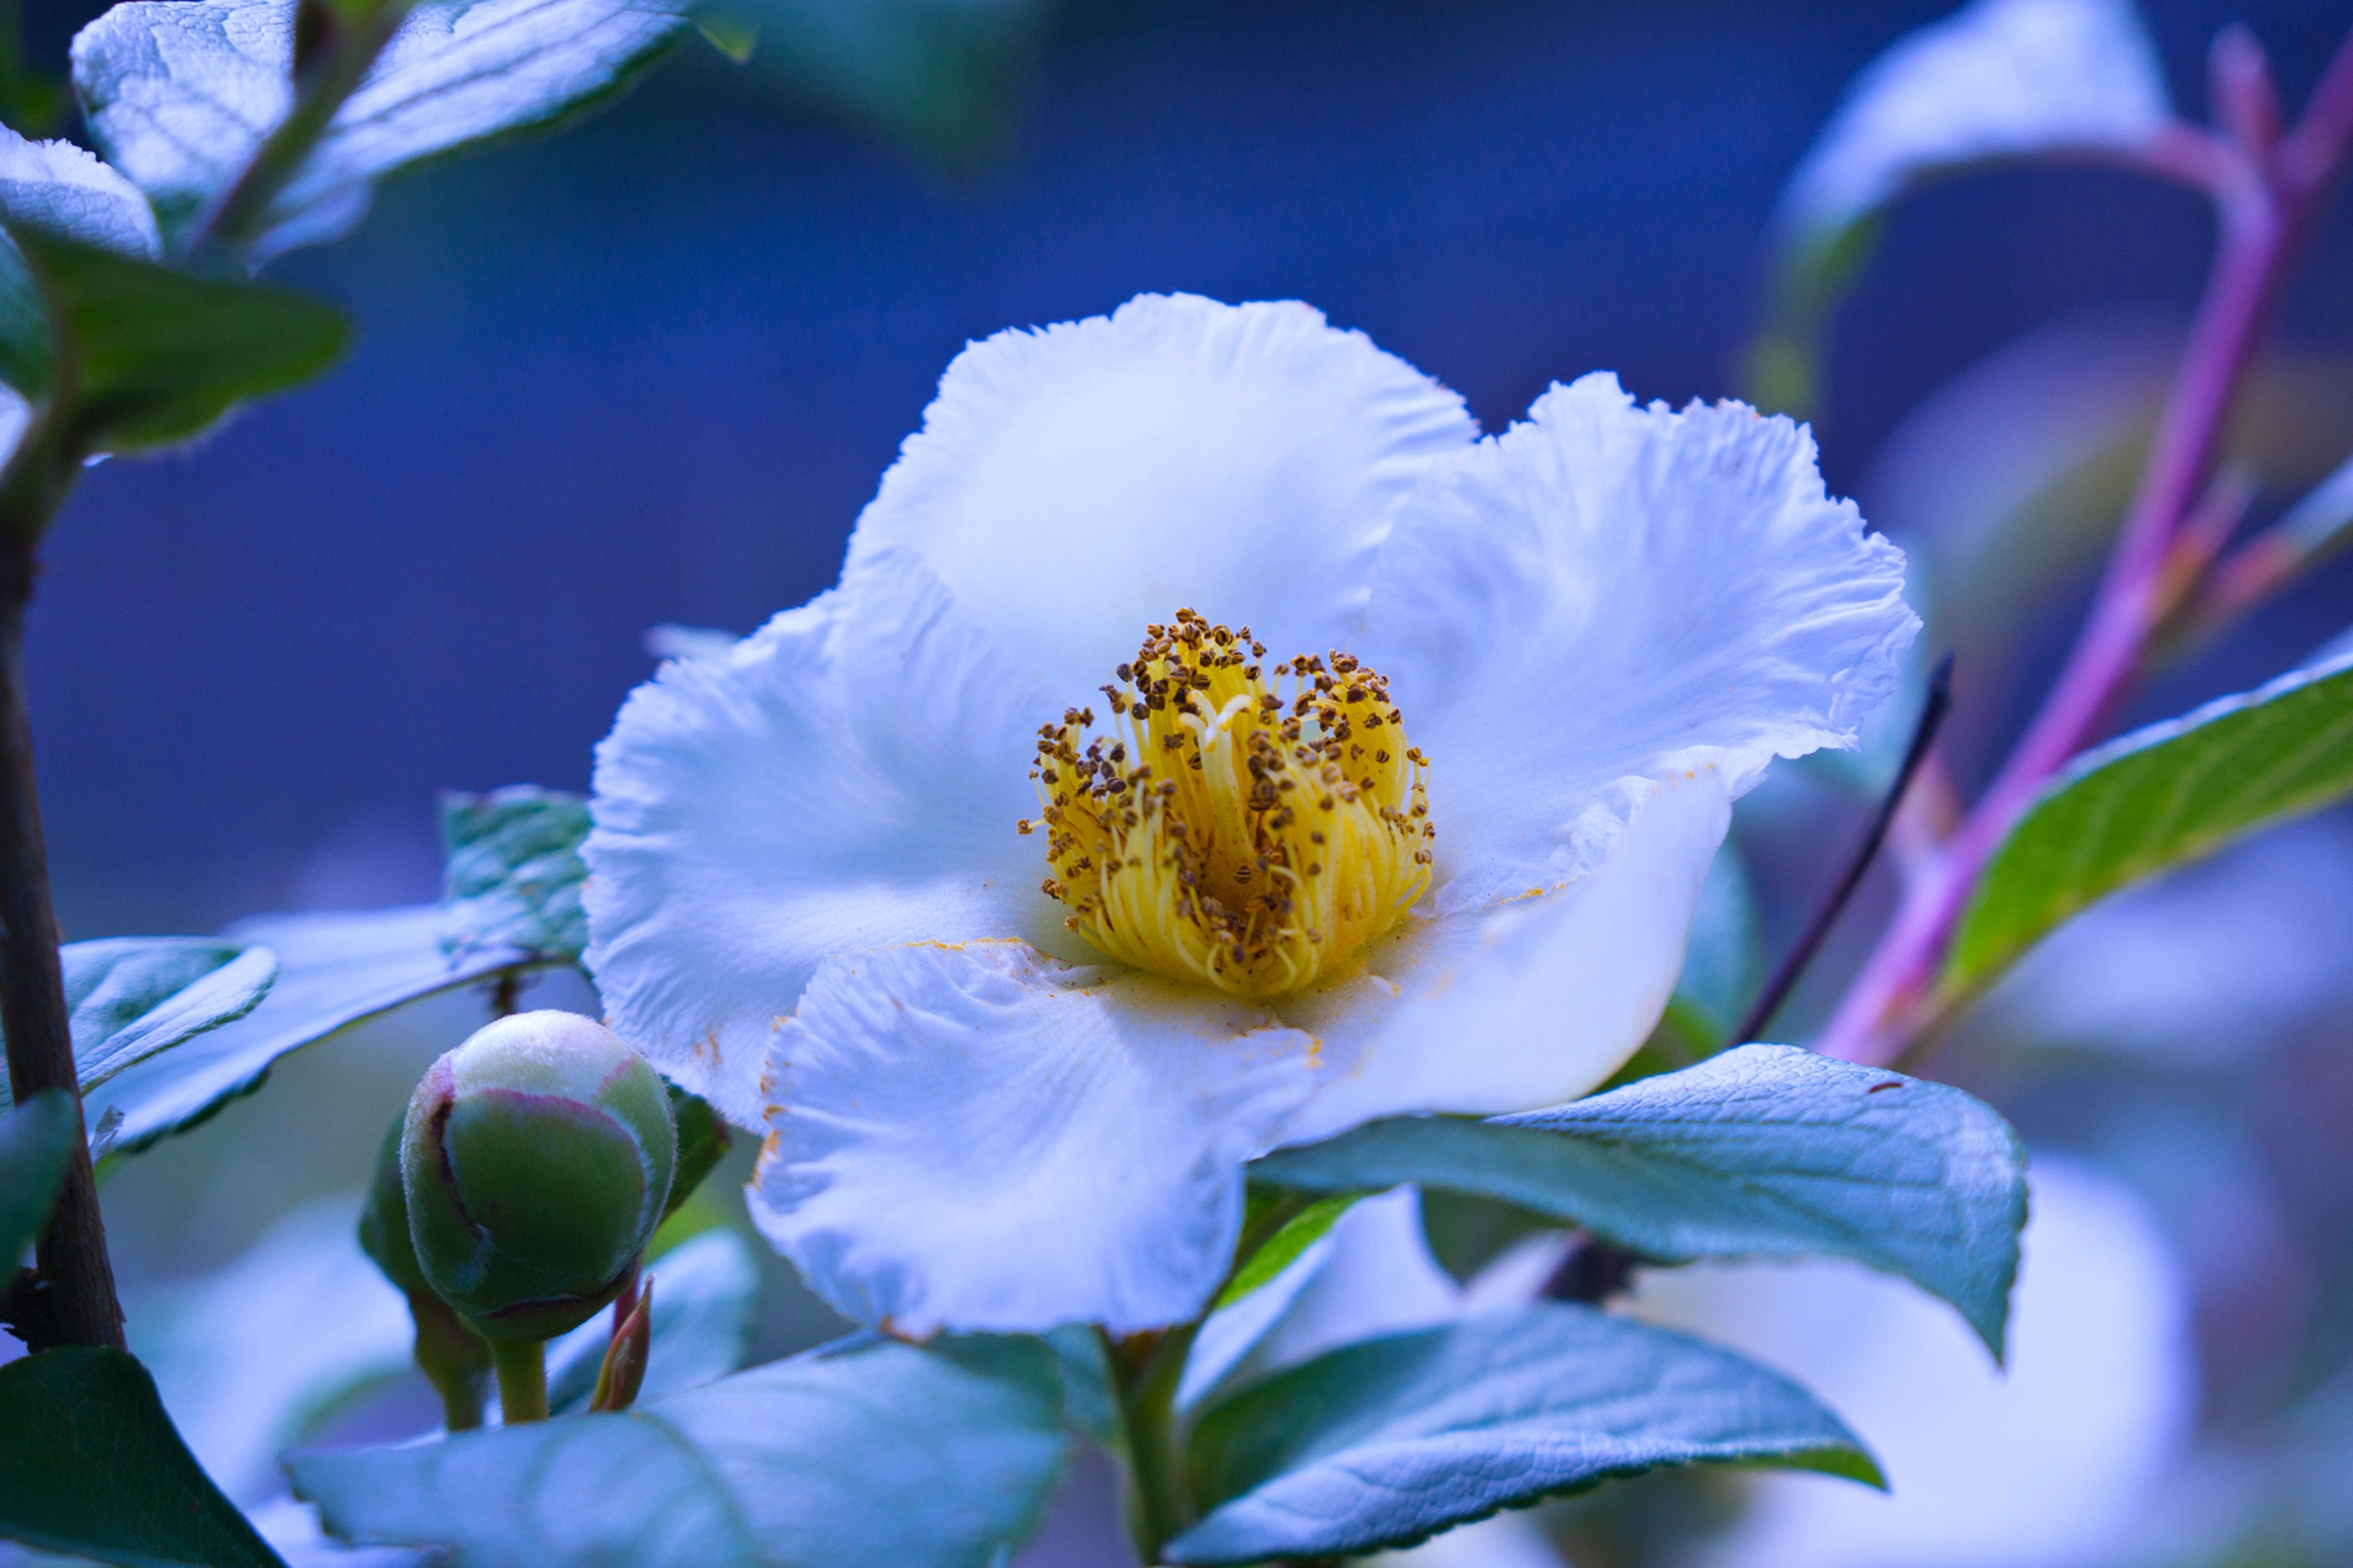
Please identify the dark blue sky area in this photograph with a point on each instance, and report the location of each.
(651, 369)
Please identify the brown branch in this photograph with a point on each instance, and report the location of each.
(73, 1302)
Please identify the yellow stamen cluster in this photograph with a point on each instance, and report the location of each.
(1245, 832)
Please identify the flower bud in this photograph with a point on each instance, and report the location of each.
(536, 1160)
(452, 1357)
(384, 1222)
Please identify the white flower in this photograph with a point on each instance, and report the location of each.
(809, 900)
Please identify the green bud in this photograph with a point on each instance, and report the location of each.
(383, 1223)
(453, 1358)
(536, 1160)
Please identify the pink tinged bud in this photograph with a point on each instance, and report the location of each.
(536, 1160)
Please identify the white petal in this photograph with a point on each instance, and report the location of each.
(1606, 592)
(1530, 1005)
(981, 1138)
(1070, 485)
(1997, 79)
(846, 777)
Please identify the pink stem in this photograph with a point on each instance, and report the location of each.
(2263, 214)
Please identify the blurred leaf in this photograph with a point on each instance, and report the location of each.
(1724, 963)
(180, 95)
(706, 1291)
(1764, 1151)
(35, 1142)
(938, 75)
(1466, 1232)
(2154, 799)
(866, 1454)
(513, 871)
(335, 970)
(1390, 1440)
(731, 36)
(131, 996)
(1998, 79)
(63, 190)
(2316, 528)
(90, 1465)
(2321, 523)
(160, 356)
(1089, 1403)
(1281, 1250)
(251, 1356)
(703, 1141)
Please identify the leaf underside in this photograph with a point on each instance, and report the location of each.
(334, 970)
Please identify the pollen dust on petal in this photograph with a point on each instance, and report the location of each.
(1240, 825)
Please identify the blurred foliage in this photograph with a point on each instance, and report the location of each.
(942, 77)
(32, 103)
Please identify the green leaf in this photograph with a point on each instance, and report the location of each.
(1763, 1151)
(1999, 79)
(58, 187)
(35, 1142)
(90, 1465)
(512, 872)
(132, 997)
(702, 1142)
(1387, 1441)
(705, 1292)
(335, 970)
(1281, 1250)
(161, 356)
(866, 1454)
(941, 75)
(180, 95)
(2155, 799)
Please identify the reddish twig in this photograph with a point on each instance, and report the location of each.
(1784, 978)
(2265, 204)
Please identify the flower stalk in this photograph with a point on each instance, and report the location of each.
(522, 1379)
(1145, 1371)
(2266, 188)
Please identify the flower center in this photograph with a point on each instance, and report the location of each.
(1231, 829)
